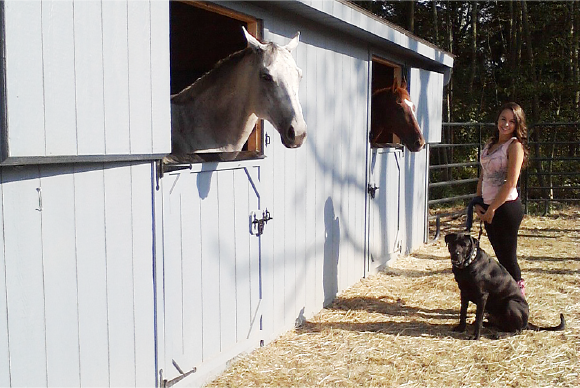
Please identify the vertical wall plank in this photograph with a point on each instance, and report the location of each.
(59, 77)
(210, 254)
(120, 276)
(245, 280)
(24, 276)
(301, 197)
(24, 78)
(60, 275)
(226, 240)
(309, 107)
(192, 271)
(278, 231)
(4, 350)
(172, 282)
(116, 73)
(160, 86)
(139, 45)
(92, 275)
(88, 46)
(141, 213)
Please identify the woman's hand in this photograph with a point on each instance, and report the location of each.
(486, 216)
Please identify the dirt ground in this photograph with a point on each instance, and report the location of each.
(395, 328)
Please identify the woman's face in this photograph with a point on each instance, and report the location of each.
(506, 123)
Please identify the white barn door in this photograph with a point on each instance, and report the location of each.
(210, 285)
(383, 206)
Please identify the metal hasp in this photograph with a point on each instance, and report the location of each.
(257, 225)
(372, 190)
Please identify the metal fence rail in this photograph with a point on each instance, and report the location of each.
(553, 173)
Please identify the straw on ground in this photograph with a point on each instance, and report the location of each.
(395, 328)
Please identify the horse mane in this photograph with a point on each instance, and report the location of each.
(222, 66)
(398, 91)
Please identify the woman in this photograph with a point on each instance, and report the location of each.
(502, 159)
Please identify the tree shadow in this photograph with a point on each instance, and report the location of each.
(416, 325)
(548, 258)
(408, 329)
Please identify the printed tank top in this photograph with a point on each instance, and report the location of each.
(494, 167)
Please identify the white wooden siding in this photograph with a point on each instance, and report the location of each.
(426, 91)
(386, 171)
(77, 270)
(78, 292)
(318, 195)
(86, 78)
(211, 268)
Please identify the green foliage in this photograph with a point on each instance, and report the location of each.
(502, 68)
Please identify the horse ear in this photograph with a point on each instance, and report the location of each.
(293, 43)
(253, 42)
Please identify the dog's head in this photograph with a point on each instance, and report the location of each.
(461, 247)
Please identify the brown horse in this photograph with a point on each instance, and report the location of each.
(392, 112)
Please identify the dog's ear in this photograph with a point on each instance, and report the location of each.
(450, 238)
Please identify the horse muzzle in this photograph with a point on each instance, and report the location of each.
(415, 144)
(293, 138)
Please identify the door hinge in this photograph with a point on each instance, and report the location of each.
(169, 383)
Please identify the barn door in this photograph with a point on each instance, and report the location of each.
(210, 275)
(383, 206)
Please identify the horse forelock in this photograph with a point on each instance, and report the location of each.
(396, 91)
(269, 55)
(402, 94)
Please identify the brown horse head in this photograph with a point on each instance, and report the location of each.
(392, 112)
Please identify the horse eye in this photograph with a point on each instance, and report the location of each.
(266, 77)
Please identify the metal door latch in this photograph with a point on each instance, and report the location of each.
(257, 224)
(372, 190)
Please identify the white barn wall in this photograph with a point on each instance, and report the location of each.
(426, 92)
(85, 86)
(77, 261)
(319, 189)
(94, 279)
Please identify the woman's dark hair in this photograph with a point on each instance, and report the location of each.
(521, 132)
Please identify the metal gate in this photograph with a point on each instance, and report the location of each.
(209, 281)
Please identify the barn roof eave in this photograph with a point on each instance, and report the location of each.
(349, 18)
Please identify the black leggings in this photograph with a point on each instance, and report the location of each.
(503, 235)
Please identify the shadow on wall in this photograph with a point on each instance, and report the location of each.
(331, 252)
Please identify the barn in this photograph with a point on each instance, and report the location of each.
(118, 269)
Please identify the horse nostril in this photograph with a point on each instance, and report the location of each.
(291, 134)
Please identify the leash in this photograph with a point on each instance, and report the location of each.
(473, 253)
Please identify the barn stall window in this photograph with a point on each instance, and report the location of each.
(201, 35)
(384, 74)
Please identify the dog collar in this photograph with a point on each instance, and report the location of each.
(471, 259)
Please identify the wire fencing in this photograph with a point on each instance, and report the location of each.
(552, 176)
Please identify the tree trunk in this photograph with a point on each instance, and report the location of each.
(435, 23)
(575, 48)
(411, 17)
(473, 48)
(535, 103)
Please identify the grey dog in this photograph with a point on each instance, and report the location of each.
(485, 282)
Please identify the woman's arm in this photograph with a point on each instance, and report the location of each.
(515, 161)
